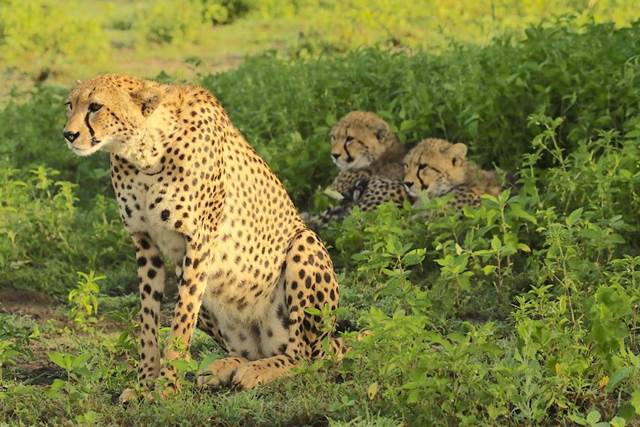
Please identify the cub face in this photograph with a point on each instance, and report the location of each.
(111, 113)
(435, 166)
(359, 139)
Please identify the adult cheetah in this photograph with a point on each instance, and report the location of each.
(191, 189)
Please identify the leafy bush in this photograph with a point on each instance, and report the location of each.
(179, 22)
(453, 348)
(46, 239)
(481, 96)
(42, 36)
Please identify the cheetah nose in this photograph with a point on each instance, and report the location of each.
(335, 155)
(71, 136)
(408, 184)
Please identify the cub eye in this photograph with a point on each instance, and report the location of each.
(422, 167)
(94, 106)
(68, 105)
(349, 140)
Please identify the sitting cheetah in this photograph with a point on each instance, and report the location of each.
(191, 189)
(439, 167)
(369, 156)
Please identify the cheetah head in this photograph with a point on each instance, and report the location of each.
(359, 139)
(114, 113)
(435, 166)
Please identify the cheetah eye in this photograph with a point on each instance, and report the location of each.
(422, 167)
(349, 140)
(68, 105)
(94, 107)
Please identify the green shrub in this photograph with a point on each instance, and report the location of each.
(180, 22)
(529, 318)
(481, 96)
(39, 37)
(46, 238)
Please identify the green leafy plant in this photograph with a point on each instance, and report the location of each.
(84, 299)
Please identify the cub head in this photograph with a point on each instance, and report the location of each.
(111, 113)
(359, 139)
(435, 166)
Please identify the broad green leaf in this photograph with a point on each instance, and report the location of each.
(593, 417)
(635, 401)
(618, 376)
(519, 212)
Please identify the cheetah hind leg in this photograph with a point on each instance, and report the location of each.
(309, 281)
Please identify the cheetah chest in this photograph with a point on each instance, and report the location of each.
(141, 214)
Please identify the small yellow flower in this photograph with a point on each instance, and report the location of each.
(603, 382)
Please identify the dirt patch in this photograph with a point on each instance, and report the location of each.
(38, 305)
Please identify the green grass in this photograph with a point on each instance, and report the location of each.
(522, 312)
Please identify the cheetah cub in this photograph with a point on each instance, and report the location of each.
(439, 167)
(191, 189)
(369, 157)
(364, 140)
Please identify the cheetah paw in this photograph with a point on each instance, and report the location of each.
(247, 377)
(220, 372)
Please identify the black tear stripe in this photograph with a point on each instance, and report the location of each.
(346, 150)
(421, 181)
(86, 121)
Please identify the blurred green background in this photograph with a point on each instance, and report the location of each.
(62, 41)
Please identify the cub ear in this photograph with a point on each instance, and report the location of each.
(458, 153)
(147, 98)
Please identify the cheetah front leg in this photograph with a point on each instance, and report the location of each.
(191, 289)
(151, 279)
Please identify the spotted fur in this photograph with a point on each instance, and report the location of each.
(438, 167)
(192, 190)
(367, 194)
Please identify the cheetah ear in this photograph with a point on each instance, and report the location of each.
(458, 153)
(147, 98)
(78, 82)
(381, 133)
